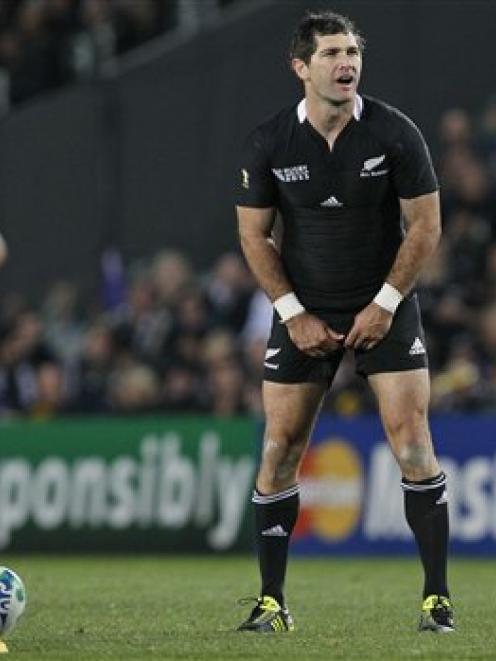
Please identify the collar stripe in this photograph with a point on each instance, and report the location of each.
(301, 109)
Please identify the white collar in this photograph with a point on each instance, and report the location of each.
(358, 108)
(301, 109)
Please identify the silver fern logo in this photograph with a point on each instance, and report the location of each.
(370, 164)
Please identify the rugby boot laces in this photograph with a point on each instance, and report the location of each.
(267, 617)
(436, 615)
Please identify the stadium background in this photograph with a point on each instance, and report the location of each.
(132, 336)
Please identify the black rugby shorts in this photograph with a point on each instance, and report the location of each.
(402, 349)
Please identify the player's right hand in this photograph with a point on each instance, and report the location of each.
(312, 336)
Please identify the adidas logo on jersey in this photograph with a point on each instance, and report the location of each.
(417, 347)
(369, 165)
(331, 202)
(275, 531)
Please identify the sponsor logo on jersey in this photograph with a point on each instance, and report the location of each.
(294, 173)
(245, 181)
(331, 202)
(417, 347)
(370, 164)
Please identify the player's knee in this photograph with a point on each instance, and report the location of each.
(416, 459)
(409, 433)
(287, 468)
(279, 465)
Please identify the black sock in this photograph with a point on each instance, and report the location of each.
(275, 517)
(426, 509)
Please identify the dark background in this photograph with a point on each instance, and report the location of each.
(145, 159)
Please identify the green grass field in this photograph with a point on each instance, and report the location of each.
(185, 608)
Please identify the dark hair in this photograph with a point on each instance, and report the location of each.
(320, 23)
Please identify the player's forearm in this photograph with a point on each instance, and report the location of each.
(266, 265)
(420, 242)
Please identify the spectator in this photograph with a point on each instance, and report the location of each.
(23, 356)
(90, 374)
(229, 290)
(171, 275)
(134, 389)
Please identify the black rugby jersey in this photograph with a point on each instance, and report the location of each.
(339, 206)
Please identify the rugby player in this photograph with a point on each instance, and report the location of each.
(353, 182)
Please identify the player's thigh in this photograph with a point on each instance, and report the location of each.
(291, 409)
(403, 400)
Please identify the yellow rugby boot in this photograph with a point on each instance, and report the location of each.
(437, 615)
(267, 617)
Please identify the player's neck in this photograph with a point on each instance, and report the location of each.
(328, 119)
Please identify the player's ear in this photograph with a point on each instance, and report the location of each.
(300, 68)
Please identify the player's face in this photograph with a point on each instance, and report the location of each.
(334, 68)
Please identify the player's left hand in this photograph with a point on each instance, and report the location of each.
(370, 326)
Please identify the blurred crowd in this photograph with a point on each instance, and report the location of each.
(47, 43)
(458, 289)
(160, 337)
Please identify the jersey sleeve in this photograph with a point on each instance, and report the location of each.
(255, 184)
(412, 173)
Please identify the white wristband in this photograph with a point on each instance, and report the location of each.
(288, 306)
(388, 298)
